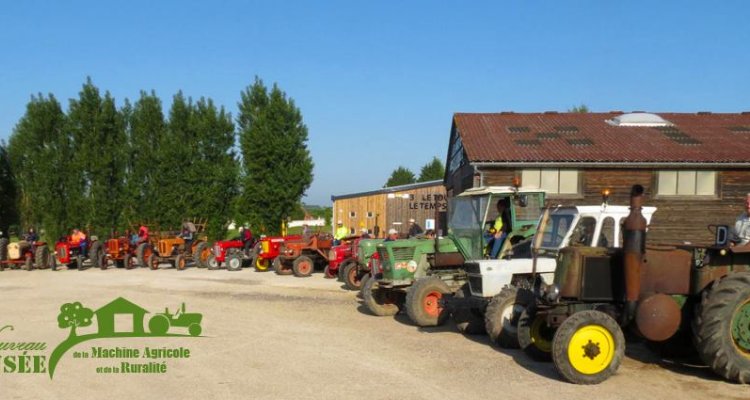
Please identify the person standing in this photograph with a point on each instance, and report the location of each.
(414, 228)
(741, 229)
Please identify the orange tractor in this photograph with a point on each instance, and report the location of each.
(172, 247)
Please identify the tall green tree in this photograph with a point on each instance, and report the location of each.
(8, 211)
(400, 176)
(582, 109)
(431, 171)
(40, 151)
(276, 163)
(98, 160)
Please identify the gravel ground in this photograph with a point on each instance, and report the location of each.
(269, 336)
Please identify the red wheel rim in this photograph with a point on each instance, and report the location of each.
(305, 267)
(431, 303)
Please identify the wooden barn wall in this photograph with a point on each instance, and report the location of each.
(677, 219)
(391, 212)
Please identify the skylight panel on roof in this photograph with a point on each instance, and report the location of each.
(518, 129)
(580, 142)
(638, 119)
(566, 129)
(547, 135)
(739, 129)
(528, 142)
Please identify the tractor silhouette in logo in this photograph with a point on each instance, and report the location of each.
(159, 324)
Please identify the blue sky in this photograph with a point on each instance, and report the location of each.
(378, 82)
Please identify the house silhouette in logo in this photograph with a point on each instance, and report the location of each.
(105, 317)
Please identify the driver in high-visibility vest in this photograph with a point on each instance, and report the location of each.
(341, 232)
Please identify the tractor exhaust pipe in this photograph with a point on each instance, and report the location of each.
(634, 248)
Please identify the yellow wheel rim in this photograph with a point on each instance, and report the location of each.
(591, 349)
(537, 335)
(261, 264)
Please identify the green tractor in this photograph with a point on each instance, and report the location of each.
(418, 275)
(675, 296)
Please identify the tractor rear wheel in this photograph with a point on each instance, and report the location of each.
(202, 252)
(342, 267)
(180, 262)
(534, 336)
(3, 249)
(95, 253)
(469, 321)
(234, 262)
(423, 301)
(153, 262)
(261, 264)
(328, 274)
(303, 266)
(28, 264)
(722, 327)
(502, 314)
(381, 302)
(158, 325)
(78, 263)
(212, 263)
(280, 268)
(41, 257)
(352, 280)
(129, 261)
(143, 253)
(588, 347)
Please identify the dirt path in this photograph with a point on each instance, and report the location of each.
(268, 336)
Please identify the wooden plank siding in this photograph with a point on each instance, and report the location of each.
(677, 219)
(391, 209)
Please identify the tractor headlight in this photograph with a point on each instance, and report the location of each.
(552, 292)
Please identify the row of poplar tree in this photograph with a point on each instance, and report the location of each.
(101, 166)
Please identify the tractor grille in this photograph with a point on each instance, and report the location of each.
(403, 253)
(265, 246)
(475, 284)
(472, 268)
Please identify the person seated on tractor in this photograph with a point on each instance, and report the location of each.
(188, 237)
(341, 233)
(78, 238)
(392, 235)
(414, 228)
(500, 229)
(586, 235)
(31, 236)
(429, 234)
(247, 239)
(142, 235)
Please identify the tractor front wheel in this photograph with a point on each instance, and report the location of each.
(303, 266)
(352, 280)
(153, 262)
(261, 264)
(180, 262)
(381, 302)
(234, 262)
(469, 321)
(143, 252)
(328, 274)
(588, 347)
(722, 328)
(502, 314)
(423, 301)
(534, 336)
(212, 263)
(280, 268)
(129, 262)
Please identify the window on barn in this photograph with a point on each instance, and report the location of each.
(554, 181)
(370, 214)
(352, 214)
(686, 183)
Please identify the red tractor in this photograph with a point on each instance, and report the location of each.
(301, 257)
(69, 253)
(231, 253)
(337, 257)
(267, 250)
(121, 252)
(24, 254)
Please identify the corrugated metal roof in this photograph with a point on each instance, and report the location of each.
(588, 138)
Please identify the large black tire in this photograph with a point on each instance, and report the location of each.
(588, 347)
(381, 302)
(180, 262)
(534, 336)
(153, 262)
(140, 254)
(352, 280)
(234, 262)
(502, 314)
(94, 255)
(41, 257)
(328, 274)
(28, 264)
(201, 262)
(721, 330)
(303, 266)
(3, 249)
(279, 267)
(423, 301)
(341, 276)
(469, 321)
(129, 262)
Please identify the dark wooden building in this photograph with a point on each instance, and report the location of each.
(695, 167)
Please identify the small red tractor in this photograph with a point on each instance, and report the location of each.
(267, 250)
(121, 252)
(24, 254)
(69, 253)
(337, 256)
(302, 257)
(230, 253)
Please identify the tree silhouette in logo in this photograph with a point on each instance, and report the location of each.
(73, 315)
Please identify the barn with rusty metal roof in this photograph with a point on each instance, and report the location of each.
(695, 166)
